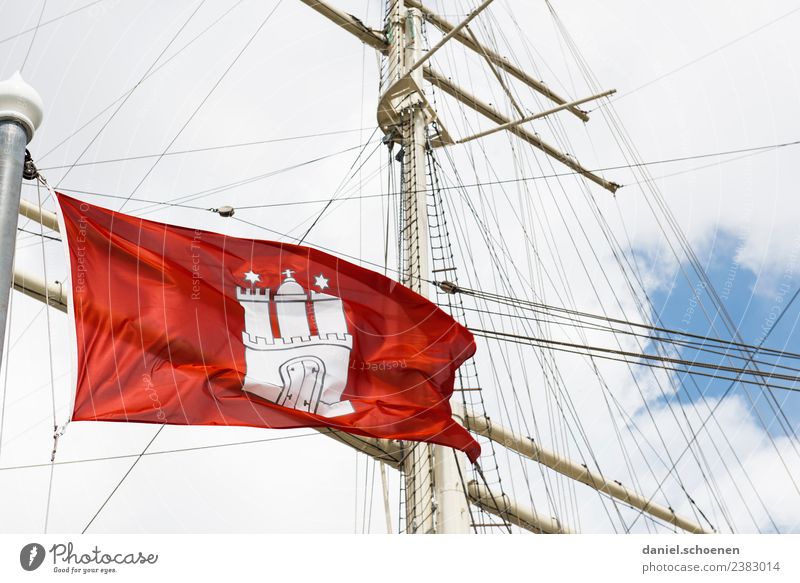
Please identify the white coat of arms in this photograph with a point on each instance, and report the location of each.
(304, 363)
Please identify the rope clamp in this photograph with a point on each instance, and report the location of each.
(29, 170)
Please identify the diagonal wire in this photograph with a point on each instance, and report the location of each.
(46, 22)
(719, 401)
(142, 80)
(204, 149)
(50, 362)
(205, 99)
(33, 38)
(128, 95)
(160, 452)
(700, 58)
(130, 469)
(345, 180)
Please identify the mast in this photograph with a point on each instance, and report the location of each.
(20, 116)
(418, 465)
(435, 498)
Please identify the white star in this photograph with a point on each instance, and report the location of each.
(252, 277)
(321, 282)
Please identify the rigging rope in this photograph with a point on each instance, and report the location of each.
(722, 398)
(50, 363)
(626, 145)
(496, 334)
(547, 309)
(520, 179)
(160, 452)
(701, 57)
(33, 38)
(128, 95)
(144, 78)
(348, 176)
(207, 149)
(130, 469)
(205, 99)
(34, 29)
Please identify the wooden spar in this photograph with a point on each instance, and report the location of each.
(529, 118)
(377, 41)
(471, 43)
(500, 505)
(35, 287)
(36, 213)
(530, 449)
(350, 23)
(454, 31)
(449, 87)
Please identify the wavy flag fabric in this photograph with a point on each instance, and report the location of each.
(188, 327)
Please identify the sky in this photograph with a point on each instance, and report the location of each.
(691, 80)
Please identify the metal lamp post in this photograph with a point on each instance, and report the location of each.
(21, 114)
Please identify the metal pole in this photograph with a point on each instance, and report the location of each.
(20, 115)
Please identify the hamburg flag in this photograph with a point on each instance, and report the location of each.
(187, 327)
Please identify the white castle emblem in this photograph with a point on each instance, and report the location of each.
(295, 368)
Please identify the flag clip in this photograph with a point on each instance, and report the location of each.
(57, 432)
(29, 170)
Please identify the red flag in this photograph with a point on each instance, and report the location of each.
(189, 327)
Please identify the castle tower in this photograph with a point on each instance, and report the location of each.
(328, 314)
(290, 305)
(255, 302)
